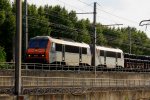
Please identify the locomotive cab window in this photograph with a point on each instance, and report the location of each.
(53, 47)
(38, 43)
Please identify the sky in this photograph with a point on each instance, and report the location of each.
(126, 12)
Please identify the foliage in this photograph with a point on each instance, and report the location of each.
(38, 23)
(2, 55)
(57, 22)
(7, 27)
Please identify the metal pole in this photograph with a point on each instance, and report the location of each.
(140, 24)
(94, 35)
(26, 25)
(94, 40)
(18, 48)
(130, 39)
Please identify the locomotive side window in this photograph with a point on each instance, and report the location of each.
(101, 52)
(84, 50)
(38, 43)
(111, 54)
(71, 49)
(119, 55)
(58, 47)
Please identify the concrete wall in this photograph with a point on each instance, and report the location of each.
(101, 95)
(108, 95)
(77, 74)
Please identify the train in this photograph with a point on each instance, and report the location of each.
(136, 61)
(45, 49)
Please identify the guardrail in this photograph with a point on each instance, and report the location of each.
(59, 67)
(36, 66)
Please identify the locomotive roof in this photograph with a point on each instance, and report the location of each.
(109, 49)
(59, 41)
(41, 37)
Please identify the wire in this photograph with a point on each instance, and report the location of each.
(72, 6)
(123, 18)
(65, 28)
(81, 9)
(54, 12)
(109, 13)
(57, 25)
(86, 3)
(99, 4)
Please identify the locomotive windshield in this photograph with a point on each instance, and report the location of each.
(38, 43)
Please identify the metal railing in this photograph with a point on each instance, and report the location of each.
(59, 67)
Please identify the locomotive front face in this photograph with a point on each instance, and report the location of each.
(36, 52)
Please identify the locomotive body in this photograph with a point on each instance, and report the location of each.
(44, 49)
(38, 50)
(109, 57)
(56, 51)
(70, 53)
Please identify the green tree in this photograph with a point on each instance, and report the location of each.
(2, 17)
(56, 21)
(83, 34)
(7, 27)
(101, 40)
(2, 55)
(37, 21)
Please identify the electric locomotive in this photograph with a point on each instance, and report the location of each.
(45, 49)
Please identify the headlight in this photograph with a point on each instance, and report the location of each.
(43, 55)
(29, 55)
